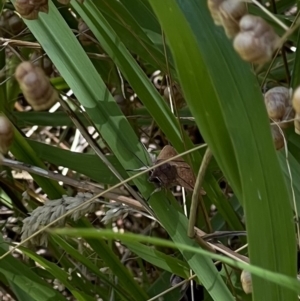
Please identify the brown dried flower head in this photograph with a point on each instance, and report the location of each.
(256, 40)
(29, 9)
(36, 86)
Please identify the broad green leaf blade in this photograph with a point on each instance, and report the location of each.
(23, 152)
(73, 64)
(87, 164)
(90, 265)
(103, 250)
(59, 274)
(289, 282)
(150, 97)
(25, 282)
(23, 119)
(133, 36)
(292, 179)
(159, 259)
(112, 44)
(162, 284)
(245, 121)
(75, 67)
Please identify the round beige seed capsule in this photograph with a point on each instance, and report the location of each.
(297, 124)
(6, 134)
(296, 100)
(36, 86)
(276, 101)
(213, 6)
(246, 282)
(29, 9)
(231, 12)
(296, 106)
(256, 40)
(26, 9)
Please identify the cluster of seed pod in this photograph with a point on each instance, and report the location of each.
(254, 39)
(29, 9)
(10, 24)
(279, 108)
(227, 13)
(36, 86)
(6, 134)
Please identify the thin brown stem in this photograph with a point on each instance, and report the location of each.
(196, 195)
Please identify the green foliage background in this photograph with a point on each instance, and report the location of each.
(224, 96)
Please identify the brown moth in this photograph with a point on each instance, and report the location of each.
(172, 173)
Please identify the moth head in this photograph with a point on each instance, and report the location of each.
(155, 180)
(164, 175)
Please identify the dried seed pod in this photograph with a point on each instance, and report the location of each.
(11, 23)
(213, 6)
(36, 86)
(256, 40)
(231, 12)
(246, 282)
(278, 137)
(6, 134)
(15, 24)
(84, 33)
(29, 9)
(276, 101)
(296, 106)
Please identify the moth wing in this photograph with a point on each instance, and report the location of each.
(185, 177)
(166, 153)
